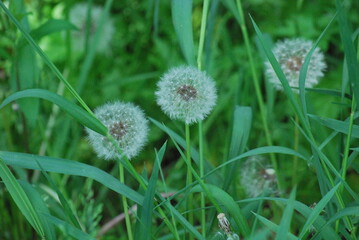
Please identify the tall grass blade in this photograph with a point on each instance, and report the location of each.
(182, 21)
(75, 111)
(284, 226)
(242, 121)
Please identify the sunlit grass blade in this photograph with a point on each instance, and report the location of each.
(273, 227)
(51, 26)
(39, 206)
(66, 166)
(284, 226)
(182, 21)
(241, 126)
(19, 196)
(75, 111)
(68, 229)
(317, 210)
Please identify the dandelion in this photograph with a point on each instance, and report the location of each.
(257, 176)
(187, 94)
(290, 54)
(78, 16)
(127, 125)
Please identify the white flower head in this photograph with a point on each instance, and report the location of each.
(257, 176)
(128, 126)
(186, 93)
(290, 54)
(78, 16)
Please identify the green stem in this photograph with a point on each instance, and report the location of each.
(262, 107)
(296, 145)
(189, 176)
(124, 204)
(200, 126)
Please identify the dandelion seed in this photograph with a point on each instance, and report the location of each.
(290, 54)
(187, 94)
(128, 126)
(257, 177)
(78, 16)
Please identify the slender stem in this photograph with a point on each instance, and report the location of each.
(124, 204)
(189, 175)
(262, 107)
(347, 144)
(200, 126)
(295, 159)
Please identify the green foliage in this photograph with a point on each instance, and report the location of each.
(47, 166)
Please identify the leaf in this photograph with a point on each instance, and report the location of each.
(75, 111)
(284, 226)
(39, 206)
(68, 228)
(317, 210)
(182, 22)
(242, 121)
(148, 203)
(336, 125)
(349, 50)
(65, 166)
(274, 227)
(19, 196)
(52, 26)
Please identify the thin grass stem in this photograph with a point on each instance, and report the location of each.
(200, 126)
(295, 158)
(125, 204)
(260, 100)
(189, 175)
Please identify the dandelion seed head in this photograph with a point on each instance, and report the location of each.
(257, 177)
(187, 94)
(126, 123)
(290, 54)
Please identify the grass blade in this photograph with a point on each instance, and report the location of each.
(273, 227)
(317, 210)
(19, 196)
(75, 111)
(242, 121)
(284, 226)
(68, 228)
(40, 206)
(66, 166)
(182, 22)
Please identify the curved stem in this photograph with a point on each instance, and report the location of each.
(125, 204)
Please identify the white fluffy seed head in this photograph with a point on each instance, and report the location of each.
(290, 54)
(78, 16)
(187, 94)
(257, 177)
(128, 126)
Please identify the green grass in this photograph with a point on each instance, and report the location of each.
(53, 186)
